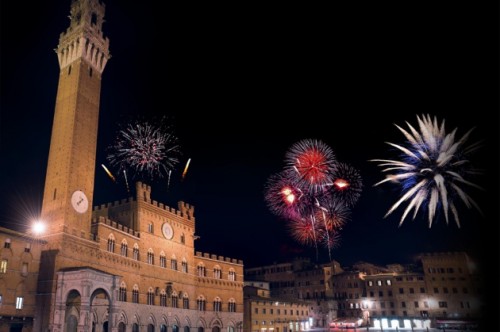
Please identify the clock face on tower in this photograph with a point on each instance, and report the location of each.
(79, 201)
(167, 231)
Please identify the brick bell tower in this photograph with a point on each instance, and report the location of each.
(69, 184)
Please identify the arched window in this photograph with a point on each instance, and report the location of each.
(175, 328)
(122, 295)
(183, 238)
(186, 329)
(124, 248)
(135, 327)
(151, 328)
(184, 266)
(135, 294)
(201, 303)
(217, 304)
(163, 298)
(135, 252)
(111, 243)
(231, 276)
(151, 257)
(175, 300)
(6, 243)
(151, 296)
(163, 260)
(202, 272)
(231, 306)
(185, 301)
(217, 272)
(173, 263)
(163, 328)
(150, 228)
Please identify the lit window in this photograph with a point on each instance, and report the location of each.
(379, 282)
(370, 283)
(388, 282)
(3, 266)
(7, 243)
(135, 252)
(24, 269)
(19, 302)
(231, 275)
(217, 272)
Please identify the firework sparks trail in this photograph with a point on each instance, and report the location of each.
(126, 181)
(109, 173)
(186, 168)
(432, 171)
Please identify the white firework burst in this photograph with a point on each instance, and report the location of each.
(433, 170)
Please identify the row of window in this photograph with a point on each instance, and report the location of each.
(173, 300)
(443, 270)
(278, 311)
(7, 244)
(4, 263)
(416, 304)
(201, 270)
(19, 301)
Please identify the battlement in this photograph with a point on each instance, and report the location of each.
(221, 259)
(113, 204)
(115, 225)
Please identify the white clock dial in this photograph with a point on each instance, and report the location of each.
(79, 201)
(167, 230)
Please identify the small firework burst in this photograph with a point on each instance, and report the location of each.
(346, 184)
(146, 149)
(432, 171)
(282, 195)
(313, 161)
(304, 231)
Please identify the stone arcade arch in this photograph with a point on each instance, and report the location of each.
(72, 314)
(85, 297)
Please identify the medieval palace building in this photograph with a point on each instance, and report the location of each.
(126, 266)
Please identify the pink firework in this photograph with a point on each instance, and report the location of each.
(313, 162)
(282, 195)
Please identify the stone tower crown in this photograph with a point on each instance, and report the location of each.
(84, 38)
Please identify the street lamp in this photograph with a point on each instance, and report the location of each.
(38, 227)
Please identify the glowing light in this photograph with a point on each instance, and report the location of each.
(341, 183)
(38, 227)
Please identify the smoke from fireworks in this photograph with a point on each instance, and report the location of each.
(313, 193)
(145, 149)
(432, 171)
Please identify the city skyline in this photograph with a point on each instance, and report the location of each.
(278, 81)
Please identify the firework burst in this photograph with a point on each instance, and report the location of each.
(145, 149)
(313, 161)
(313, 193)
(347, 184)
(432, 171)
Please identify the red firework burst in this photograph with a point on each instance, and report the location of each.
(304, 231)
(313, 162)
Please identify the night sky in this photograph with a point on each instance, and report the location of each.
(241, 83)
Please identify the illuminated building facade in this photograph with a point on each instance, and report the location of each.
(264, 312)
(19, 266)
(127, 266)
(301, 280)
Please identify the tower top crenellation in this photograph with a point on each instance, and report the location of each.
(84, 38)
